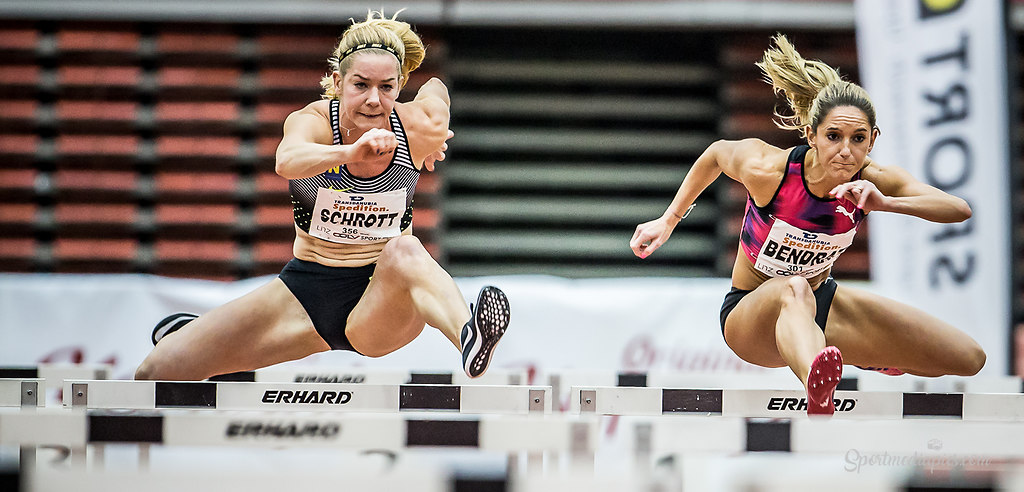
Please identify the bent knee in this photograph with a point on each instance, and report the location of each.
(158, 369)
(973, 360)
(403, 254)
(403, 245)
(797, 290)
(146, 371)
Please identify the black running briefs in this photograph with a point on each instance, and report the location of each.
(822, 301)
(328, 294)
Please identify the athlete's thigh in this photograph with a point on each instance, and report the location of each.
(750, 328)
(872, 330)
(263, 327)
(385, 319)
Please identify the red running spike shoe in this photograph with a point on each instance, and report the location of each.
(826, 371)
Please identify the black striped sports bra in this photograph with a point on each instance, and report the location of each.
(340, 207)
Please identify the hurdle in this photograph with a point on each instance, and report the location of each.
(1006, 407)
(356, 472)
(22, 392)
(855, 379)
(54, 374)
(307, 396)
(556, 435)
(273, 429)
(562, 381)
(364, 375)
(926, 437)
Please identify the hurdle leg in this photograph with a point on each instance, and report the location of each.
(582, 454)
(642, 446)
(29, 402)
(99, 457)
(534, 461)
(79, 403)
(27, 460)
(77, 456)
(144, 456)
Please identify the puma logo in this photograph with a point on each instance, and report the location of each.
(842, 210)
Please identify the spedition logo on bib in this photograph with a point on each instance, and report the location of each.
(789, 250)
(307, 397)
(342, 217)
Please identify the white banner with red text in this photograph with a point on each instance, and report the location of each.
(937, 73)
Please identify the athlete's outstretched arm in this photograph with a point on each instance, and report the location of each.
(307, 149)
(741, 160)
(892, 189)
(430, 114)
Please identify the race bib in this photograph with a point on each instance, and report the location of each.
(789, 250)
(357, 218)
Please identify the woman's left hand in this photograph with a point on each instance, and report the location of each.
(862, 192)
(438, 154)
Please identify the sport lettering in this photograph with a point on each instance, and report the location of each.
(309, 397)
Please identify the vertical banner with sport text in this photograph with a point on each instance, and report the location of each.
(936, 71)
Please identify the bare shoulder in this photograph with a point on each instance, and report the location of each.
(757, 165)
(412, 115)
(321, 108)
(890, 180)
(751, 158)
(311, 122)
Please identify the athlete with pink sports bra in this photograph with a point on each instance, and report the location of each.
(803, 208)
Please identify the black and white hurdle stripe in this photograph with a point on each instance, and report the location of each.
(389, 431)
(789, 404)
(924, 437)
(22, 392)
(327, 374)
(307, 396)
(782, 379)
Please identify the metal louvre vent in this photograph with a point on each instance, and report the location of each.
(566, 140)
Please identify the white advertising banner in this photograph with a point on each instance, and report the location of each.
(639, 324)
(936, 71)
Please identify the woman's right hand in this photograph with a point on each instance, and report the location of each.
(373, 144)
(650, 235)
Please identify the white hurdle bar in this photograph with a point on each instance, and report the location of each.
(782, 379)
(55, 373)
(290, 373)
(506, 433)
(307, 396)
(22, 392)
(928, 438)
(1006, 407)
(573, 438)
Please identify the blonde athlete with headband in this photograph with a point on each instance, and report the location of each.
(359, 280)
(803, 208)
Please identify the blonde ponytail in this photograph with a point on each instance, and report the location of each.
(811, 87)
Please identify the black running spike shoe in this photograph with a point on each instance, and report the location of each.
(171, 324)
(483, 330)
